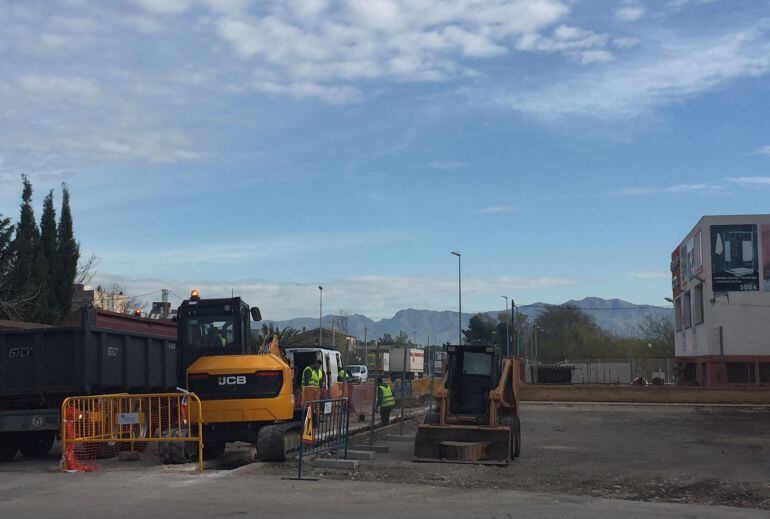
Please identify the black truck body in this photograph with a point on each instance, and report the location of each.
(94, 352)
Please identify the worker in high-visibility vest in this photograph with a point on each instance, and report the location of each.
(313, 376)
(385, 400)
(342, 375)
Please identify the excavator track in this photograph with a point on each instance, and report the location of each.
(279, 441)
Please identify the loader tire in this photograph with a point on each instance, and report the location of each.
(9, 444)
(36, 445)
(432, 418)
(515, 425)
(176, 452)
(277, 442)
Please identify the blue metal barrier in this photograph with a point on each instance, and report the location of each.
(325, 427)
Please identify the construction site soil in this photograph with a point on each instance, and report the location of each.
(712, 455)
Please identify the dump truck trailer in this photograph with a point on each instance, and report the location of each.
(94, 352)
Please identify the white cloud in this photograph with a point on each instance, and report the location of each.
(165, 6)
(495, 209)
(671, 70)
(58, 86)
(657, 190)
(649, 274)
(446, 164)
(398, 40)
(630, 12)
(375, 296)
(749, 181)
(582, 45)
(764, 150)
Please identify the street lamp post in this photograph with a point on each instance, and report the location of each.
(517, 347)
(507, 338)
(535, 378)
(320, 316)
(459, 298)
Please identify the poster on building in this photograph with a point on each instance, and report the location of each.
(691, 256)
(676, 285)
(766, 256)
(734, 260)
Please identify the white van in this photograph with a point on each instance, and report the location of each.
(331, 360)
(358, 373)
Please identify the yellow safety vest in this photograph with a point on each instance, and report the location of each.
(386, 398)
(342, 375)
(315, 377)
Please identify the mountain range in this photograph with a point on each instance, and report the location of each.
(614, 315)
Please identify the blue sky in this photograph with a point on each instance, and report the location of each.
(563, 146)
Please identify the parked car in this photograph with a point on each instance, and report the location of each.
(358, 373)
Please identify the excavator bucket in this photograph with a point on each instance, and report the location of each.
(480, 444)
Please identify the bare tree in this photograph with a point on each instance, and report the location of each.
(659, 332)
(115, 299)
(12, 303)
(87, 269)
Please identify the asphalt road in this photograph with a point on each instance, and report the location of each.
(170, 494)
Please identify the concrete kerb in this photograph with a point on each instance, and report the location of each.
(332, 463)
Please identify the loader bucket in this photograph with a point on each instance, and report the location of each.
(463, 444)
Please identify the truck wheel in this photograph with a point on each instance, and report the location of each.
(176, 452)
(36, 445)
(213, 450)
(9, 444)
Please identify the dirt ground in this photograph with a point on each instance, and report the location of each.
(678, 454)
(712, 455)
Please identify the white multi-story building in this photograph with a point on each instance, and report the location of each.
(721, 291)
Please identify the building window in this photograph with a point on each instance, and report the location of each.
(698, 303)
(687, 309)
(678, 314)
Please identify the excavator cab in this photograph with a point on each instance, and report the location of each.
(245, 387)
(478, 403)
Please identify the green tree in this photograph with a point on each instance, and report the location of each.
(46, 305)
(67, 254)
(566, 331)
(287, 337)
(481, 330)
(27, 270)
(8, 299)
(402, 340)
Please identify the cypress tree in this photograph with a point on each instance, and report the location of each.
(47, 306)
(25, 265)
(6, 292)
(67, 253)
(6, 236)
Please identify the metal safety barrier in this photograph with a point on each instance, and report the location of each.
(101, 426)
(325, 427)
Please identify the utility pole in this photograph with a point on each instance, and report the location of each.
(459, 298)
(320, 317)
(507, 338)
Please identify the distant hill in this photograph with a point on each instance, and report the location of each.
(614, 315)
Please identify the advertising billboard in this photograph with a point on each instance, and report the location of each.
(676, 285)
(766, 256)
(692, 257)
(734, 259)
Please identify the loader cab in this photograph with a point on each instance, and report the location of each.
(472, 372)
(209, 327)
